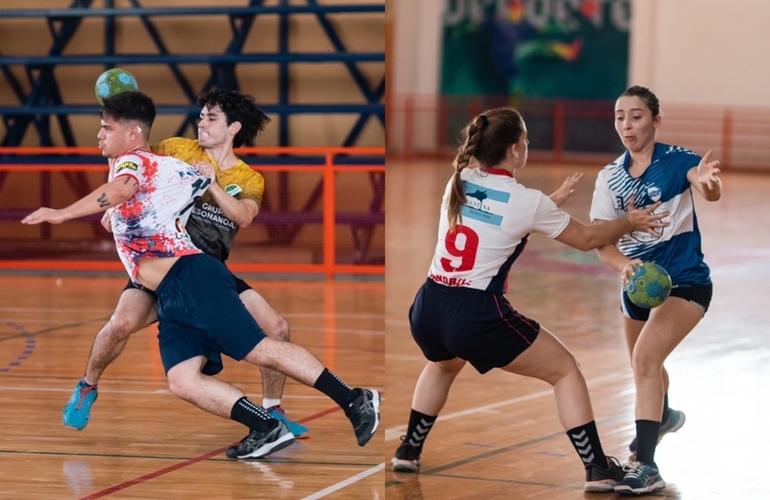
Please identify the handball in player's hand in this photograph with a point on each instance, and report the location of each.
(114, 81)
(650, 285)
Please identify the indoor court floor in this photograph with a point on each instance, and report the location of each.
(144, 443)
(499, 437)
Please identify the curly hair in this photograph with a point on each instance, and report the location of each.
(237, 107)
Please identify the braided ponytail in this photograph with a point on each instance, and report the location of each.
(473, 133)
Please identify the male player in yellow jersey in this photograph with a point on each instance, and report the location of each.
(229, 119)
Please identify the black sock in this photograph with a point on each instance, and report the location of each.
(420, 425)
(585, 439)
(666, 409)
(646, 440)
(331, 385)
(252, 415)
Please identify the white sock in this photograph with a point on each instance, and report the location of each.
(270, 402)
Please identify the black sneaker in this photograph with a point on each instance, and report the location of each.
(406, 459)
(600, 479)
(260, 444)
(364, 413)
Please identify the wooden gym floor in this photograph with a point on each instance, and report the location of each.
(144, 443)
(499, 437)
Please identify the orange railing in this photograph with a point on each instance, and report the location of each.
(329, 170)
(429, 125)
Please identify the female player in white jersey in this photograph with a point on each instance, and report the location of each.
(460, 313)
(650, 172)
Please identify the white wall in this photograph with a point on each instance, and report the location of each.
(416, 53)
(686, 51)
(702, 51)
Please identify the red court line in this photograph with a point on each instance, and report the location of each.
(181, 465)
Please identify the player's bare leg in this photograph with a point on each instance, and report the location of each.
(266, 434)
(135, 310)
(430, 395)
(275, 327)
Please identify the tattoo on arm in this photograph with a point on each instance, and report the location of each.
(103, 202)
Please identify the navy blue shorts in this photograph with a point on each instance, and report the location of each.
(478, 326)
(240, 285)
(699, 294)
(200, 314)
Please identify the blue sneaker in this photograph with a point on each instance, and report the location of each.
(640, 478)
(299, 430)
(78, 409)
(673, 423)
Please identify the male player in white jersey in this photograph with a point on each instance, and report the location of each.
(152, 195)
(228, 119)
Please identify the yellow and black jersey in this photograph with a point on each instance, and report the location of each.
(208, 227)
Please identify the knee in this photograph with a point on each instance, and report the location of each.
(280, 330)
(121, 325)
(567, 368)
(182, 384)
(645, 365)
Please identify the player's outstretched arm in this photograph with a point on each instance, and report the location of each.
(104, 197)
(587, 238)
(704, 178)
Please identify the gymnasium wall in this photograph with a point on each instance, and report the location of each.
(688, 51)
(704, 59)
(321, 83)
(310, 83)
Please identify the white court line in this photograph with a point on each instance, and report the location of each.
(396, 432)
(341, 315)
(346, 482)
(339, 330)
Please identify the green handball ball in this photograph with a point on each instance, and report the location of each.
(650, 285)
(113, 82)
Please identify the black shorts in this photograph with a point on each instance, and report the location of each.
(699, 294)
(478, 326)
(240, 285)
(201, 314)
(134, 286)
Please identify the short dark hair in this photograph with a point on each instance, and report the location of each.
(237, 107)
(130, 106)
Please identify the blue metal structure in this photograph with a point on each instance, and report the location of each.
(44, 101)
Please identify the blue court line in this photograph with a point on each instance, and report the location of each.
(29, 347)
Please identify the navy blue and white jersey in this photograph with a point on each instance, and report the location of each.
(678, 249)
(496, 221)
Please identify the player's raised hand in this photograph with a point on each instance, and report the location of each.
(708, 170)
(44, 214)
(566, 190)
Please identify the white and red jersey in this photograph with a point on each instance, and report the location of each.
(151, 222)
(497, 218)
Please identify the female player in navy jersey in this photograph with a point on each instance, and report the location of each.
(460, 314)
(650, 172)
